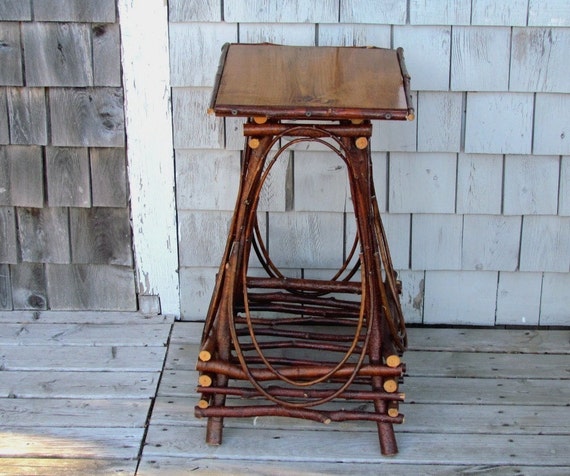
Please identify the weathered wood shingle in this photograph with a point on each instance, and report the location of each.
(57, 54)
(289, 11)
(108, 177)
(4, 130)
(29, 286)
(87, 117)
(363, 11)
(27, 115)
(8, 244)
(493, 13)
(184, 11)
(5, 288)
(74, 10)
(43, 235)
(14, 10)
(21, 176)
(518, 298)
(440, 12)
(10, 57)
(68, 177)
(479, 183)
(101, 236)
(106, 55)
(551, 13)
(544, 244)
(552, 124)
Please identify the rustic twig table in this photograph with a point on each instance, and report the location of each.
(297, 347)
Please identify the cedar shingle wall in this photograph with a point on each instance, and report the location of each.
(65, 239)
(476, 190)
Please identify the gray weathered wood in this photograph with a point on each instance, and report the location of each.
(49, 384)
(4, 129)
(100, 358)
(509, 116)
(490, 12)
(551, 13)
(76, 413)
(437, 12)
(82, 442)
(183, 11)
(57, 54)
(564, 199)
(439, 121)
(101, 236)
(537, 60)
(21, 176)
(479, 183)
(436, 241)
(10, 53)
(361, 11)
(85, 334)
(58, 465)
(29, 286)
(518, 298)
(480, 58)
(44, 235)
(197, 284)
(446, 293)
(91, 287)
(555, 300)
(552, 124)
(292, 11)
(15, 10)
(5, 288)
(531, 185)
(67, 171)
(134, 319)
(106, 55)
(8, 245)
(302, 34)
(75, 10)
(544, 244)
(87, 117)
(339, 34)
(27, 116)
(491, 242)
(108, 177)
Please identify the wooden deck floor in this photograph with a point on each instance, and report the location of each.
(107, 398)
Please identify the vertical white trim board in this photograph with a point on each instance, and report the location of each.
(148, 120)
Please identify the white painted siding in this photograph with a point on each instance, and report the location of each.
(475, 192)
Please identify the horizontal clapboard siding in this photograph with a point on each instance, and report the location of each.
(63, 187)
(474, 192)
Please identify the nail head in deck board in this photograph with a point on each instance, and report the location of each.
(67, 170)
(21, 176)
(106, 55)
(10, 54)
(29, 287)
(109, 177)
(44, 235)
(57, 54)
(87, 117)
(90, 287)
(8, 244)
(27, 114)
(75, 10)
(101, 236)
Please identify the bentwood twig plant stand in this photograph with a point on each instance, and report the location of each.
(297, 347)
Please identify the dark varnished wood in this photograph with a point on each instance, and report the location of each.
(318, 82)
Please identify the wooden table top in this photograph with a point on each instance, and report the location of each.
(300, 82)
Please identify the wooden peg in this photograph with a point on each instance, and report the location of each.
(361, 143)
(205, 404)
(393, 361)
(390, 385)
(205, 355)
(205, 380)
(356, 122)
(253, 143)
(260, 119)
(393, 409)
